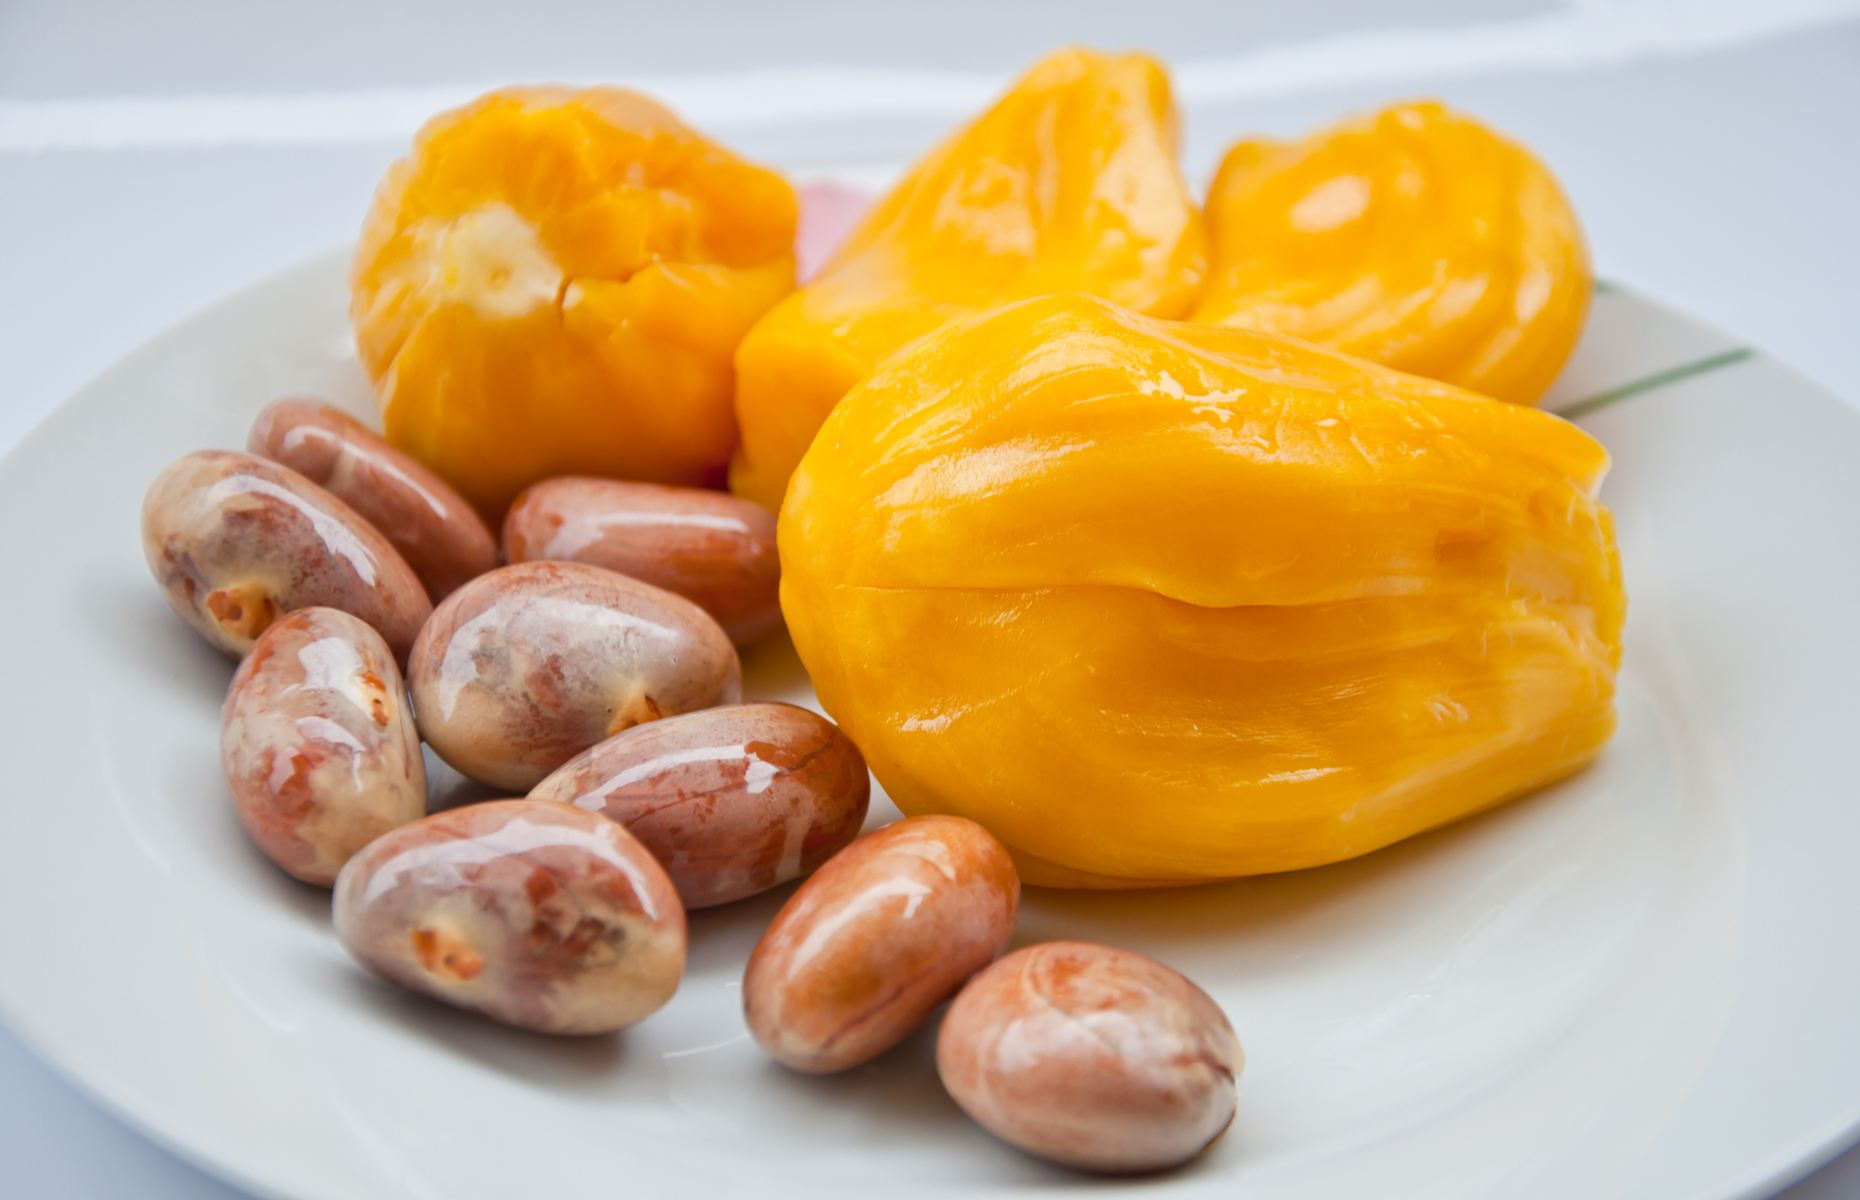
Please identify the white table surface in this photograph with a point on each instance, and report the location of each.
(1710, 146)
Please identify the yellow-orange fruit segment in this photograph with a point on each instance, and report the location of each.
(1069, 183)
(1415, 237)
(1162, 602)
(553, 283)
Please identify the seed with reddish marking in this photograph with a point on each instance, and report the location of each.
(731, 801)
(318, 744)
(533, 914)
(237, 541)
(442, 537)
(527, 666)
(1091, 1057)
(714, 549)
(876, 939)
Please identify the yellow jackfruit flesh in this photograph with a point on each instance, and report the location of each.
(1164, 602)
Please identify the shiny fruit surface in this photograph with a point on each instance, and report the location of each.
(1415, 237)
(1163, 602)
(553, 282)
(1069, 183)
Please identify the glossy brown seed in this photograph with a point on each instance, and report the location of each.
(237, 541)
(318, 744)
(714, 549)
(1091, 1057)
(527, 666)
(442, 537)
(876, 939)
(732, 801)
(534, 914)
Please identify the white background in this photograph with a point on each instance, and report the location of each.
(154, 157)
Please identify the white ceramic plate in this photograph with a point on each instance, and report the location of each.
(1638, 984)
